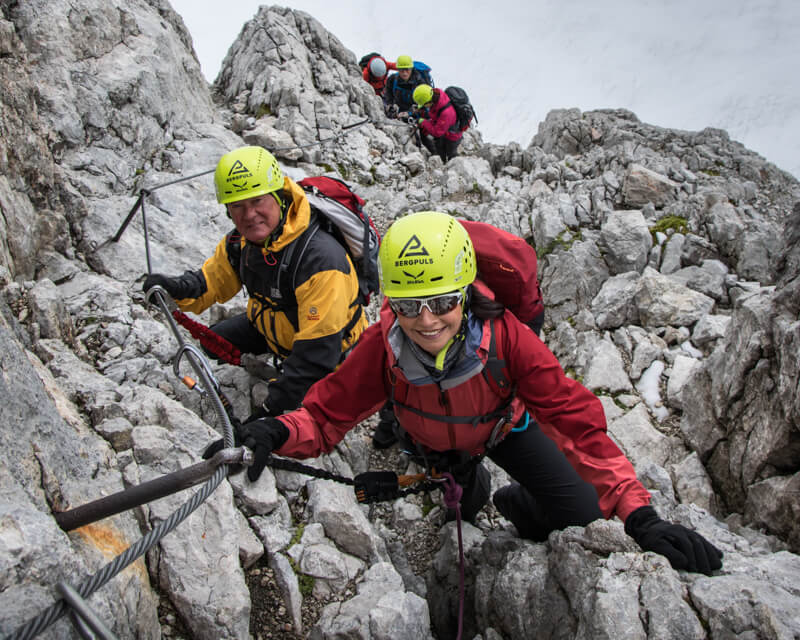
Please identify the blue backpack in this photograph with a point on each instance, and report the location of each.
(425, 72)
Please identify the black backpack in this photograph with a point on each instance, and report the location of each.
(464, 111)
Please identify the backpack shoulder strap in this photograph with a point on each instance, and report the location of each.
(494, 372)
(233, 248)
(292, 257)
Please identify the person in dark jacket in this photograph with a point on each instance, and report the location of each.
(398, 93)
(439, 130)
(309, 319)
(468, 379)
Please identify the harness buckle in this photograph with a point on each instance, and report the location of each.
(501, 429)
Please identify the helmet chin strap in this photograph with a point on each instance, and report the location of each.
(442, 354)
(279, 228)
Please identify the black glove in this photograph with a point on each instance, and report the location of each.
(376, 486)
(392, 110)
(685, 549)
(262, 436)
(192, 284)
(218, 445)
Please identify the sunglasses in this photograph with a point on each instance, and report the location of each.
(437, 305)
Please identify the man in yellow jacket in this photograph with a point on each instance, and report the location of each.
(304, 303)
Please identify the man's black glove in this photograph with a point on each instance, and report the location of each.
(262, 436)
(192, 284)
(392, 110)
(685, 549)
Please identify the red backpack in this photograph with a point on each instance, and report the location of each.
(507, 265)
(340, 212)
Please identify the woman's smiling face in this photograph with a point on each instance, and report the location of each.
(432, 332)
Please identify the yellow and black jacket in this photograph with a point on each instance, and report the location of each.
(312, 318)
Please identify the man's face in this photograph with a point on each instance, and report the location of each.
(256, 218)
(404, 74)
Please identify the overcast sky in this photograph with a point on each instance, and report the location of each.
(682, 64)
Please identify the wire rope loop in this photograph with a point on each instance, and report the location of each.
(201, 361)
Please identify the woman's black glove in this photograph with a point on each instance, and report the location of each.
(685, 549)
(262, 436)
(192, 284)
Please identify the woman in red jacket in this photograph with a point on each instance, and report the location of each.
(375, 72)
(439, 131)
(468, 379)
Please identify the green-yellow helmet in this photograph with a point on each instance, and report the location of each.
(423, 94)
(425, 254)
(246, 172)
(405, 62)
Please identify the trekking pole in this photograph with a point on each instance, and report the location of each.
(151, 490)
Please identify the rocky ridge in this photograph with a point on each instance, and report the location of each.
(671, 274)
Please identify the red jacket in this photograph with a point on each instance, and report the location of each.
(566, 411)
(378, 83)
(441, 117)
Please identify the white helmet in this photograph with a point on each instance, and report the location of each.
(377, 67)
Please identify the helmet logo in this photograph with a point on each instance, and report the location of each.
(414, 279)
(413, 248)
(413, 254)
(238, 168)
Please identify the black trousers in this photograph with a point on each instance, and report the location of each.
(241, 334)
(443, 147)
(551, 495)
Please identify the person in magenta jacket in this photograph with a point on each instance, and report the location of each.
(469, 380)
(439, 130)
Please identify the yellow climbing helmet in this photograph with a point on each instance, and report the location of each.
(405, 62)
(423, 94)
(425, 254)
(247, 172)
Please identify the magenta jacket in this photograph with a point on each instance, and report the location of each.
(442, 116)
